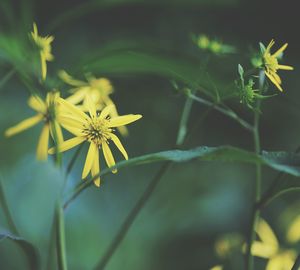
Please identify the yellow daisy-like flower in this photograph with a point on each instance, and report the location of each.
(95, 128)
(268, 248)
(217, 267)
(47, 113)
(271, 65)
(97, 89)
(43, 44)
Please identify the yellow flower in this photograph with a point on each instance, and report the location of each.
(95, 128)
(217, 267)
(97, 89)
(268, 248)
(271, 65)
(46, 112)
(43, 44)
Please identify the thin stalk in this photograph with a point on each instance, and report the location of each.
(132, 215)
(228, 112)
(257, 149)
(60, 239)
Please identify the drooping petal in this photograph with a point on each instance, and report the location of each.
(25, 124)
(124, 120)
(263, 250)
(66, 145)
(272, 79)
(118, 143)
(108, 156)
(281, 261)
(285, 67)
(42, 148)
(69, 79)
(266, 234)
(279, 51)
(90, 158)
(67, 106)
(96, 169)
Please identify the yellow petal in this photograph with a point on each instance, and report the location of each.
(117, 142)
(43, 66)
(77, 97)
(69, 79)
(293, 233)
(90, 158)
(25, 124)
(263, 250)
(285, 67)
(124, 120)
(68, 144)
(70, 121)
(67, 106)
(281, 262)
(36, 103)
(110, 161)
(266, 234)
(106, 111)
(42, 148)
(272, 79)
(217, 267)
(278, 52)
(91, 106)
(96, 169)
(272, 42)
(114, 113)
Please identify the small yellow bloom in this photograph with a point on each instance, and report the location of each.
(217, 267)
(268, 248)
(95, 128)
(43, 44)
(97, 89)
(47, 113)
(271, 65)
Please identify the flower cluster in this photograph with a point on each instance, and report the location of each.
(88, 113)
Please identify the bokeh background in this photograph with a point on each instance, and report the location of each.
(141, 46)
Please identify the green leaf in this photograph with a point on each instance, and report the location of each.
(281, 161)
(241, 71)
(27, 247)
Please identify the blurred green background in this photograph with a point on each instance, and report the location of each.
(141, 46)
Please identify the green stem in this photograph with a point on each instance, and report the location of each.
(60, 239)
(228, 112)
(257, 148)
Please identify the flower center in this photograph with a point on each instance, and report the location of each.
(97, 131)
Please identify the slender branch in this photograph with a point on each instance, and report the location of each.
(132, 215)
(228, 112)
